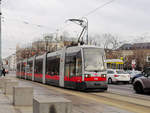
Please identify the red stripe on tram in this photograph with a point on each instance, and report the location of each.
(38, 75)
(54, 77)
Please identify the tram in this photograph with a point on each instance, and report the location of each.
(77, 67)
(114, 63)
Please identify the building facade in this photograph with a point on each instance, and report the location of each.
(138, 52)
(9, 63)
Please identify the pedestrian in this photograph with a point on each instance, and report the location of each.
(3, 71)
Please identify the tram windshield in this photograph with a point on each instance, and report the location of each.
(93, 59)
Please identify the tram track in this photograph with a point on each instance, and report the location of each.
(132, 104)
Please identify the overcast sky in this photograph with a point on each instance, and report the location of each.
(126, 18)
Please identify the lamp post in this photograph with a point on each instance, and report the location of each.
(83, 22)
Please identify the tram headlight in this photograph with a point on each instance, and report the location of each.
(103, 75)
(87, 75)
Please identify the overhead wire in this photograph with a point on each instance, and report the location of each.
(27, 23)
(43, 26)
(101, 6)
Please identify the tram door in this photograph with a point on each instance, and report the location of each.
(61, 69)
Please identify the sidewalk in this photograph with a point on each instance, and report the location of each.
(6, 104)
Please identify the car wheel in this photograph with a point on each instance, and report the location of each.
(138, 87)
(109, 81)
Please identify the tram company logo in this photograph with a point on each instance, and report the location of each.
(95, 78)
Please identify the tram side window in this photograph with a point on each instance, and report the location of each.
(53, 66)
(30, 66)
(67, 69)
(22, 67)
(18, 67)
(70, 66)
(38, 66)
(79, 64)
(73, 65)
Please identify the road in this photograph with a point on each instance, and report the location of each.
(126, 90)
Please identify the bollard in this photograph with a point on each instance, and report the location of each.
(2, 83)
(22, 96)
(9, 87)
(47, 104)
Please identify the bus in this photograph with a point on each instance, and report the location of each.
(78, 67)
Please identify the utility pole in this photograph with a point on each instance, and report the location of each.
(0, 39)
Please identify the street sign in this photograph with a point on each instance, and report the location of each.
(133, 62)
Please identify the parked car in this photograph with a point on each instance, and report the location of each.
(114, 76)
(142, 84)
(134, 74)
(134, 77)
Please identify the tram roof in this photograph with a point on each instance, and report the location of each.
(40, 57)
(77, 48)
(54, 53)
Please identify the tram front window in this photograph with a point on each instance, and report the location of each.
(94, 60)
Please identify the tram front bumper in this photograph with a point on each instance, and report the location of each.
(96, 85)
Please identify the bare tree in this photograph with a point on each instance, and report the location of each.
(111, 41)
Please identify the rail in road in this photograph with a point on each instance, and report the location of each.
(133, 104)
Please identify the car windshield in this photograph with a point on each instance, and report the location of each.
(121, 72)
(94, 59)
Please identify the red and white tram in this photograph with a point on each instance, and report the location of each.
(79, 67)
